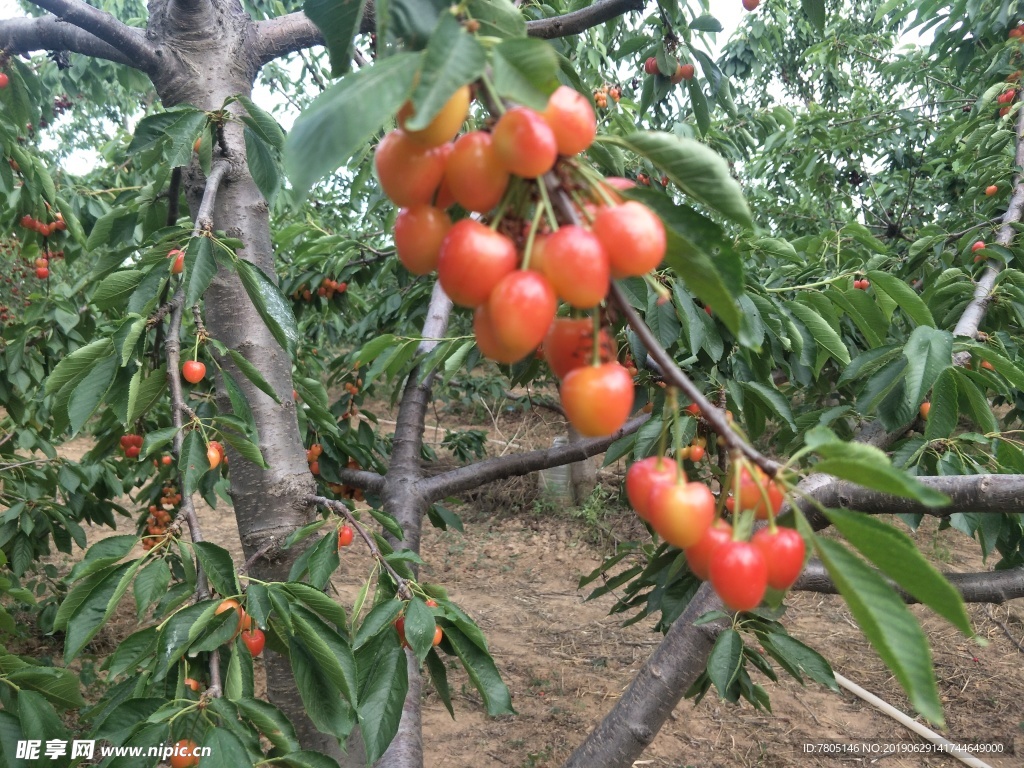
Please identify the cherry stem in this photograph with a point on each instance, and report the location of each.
(537, 214)
(552, 219)
(595, 335)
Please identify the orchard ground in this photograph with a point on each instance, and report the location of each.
(566, 661)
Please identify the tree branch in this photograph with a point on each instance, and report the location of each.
(583, 19)
(513, 465)
(129, 41)
(986, 587)
(204, 216)
(48, 33)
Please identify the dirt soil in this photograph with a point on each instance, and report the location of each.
(566, 661)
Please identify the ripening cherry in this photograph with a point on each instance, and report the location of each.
(487, 339)
(4, 80)
(739, 574)
(522, 307)
(254, 640)
(597, 398)
(193, 371)
(651, 66)
(643, 477)
(419, 232)
(991, 190)
(783, 551)
(684, 72)
(977, 246)
(178, 265)
(696, 453)
(577, 265)
(925, 409)
(698, 556)
(192, 684)
(213, 457)
(681, 512)
(751, 4)
(408, 172)
(438, 635)
(474, 176)
(571, 119)
(345, 536)
(233, 605)
(632, 236)
(473, 259)
(754, 488)
(524, 143)
(445, 124)
(569, 344)
(42, 272)
(183, 756)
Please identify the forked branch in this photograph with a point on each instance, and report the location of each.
(48, 33)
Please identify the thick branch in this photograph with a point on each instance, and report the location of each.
(361, 478)
(489, 470)
(130, 41)
(967, 493)
(204, 216)
(48, 33)
(583, 19)
(987, 587)
(970, 320)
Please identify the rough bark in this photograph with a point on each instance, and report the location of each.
(52, 34)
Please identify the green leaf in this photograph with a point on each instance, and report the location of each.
(482, 672)
(102, 554)
(77, 363)
(1002, 366)
(799, 657)
(200, 267)
(700, 106)
(929, 352)
(870, 467)
(978, 408)
(773, 400)
(115, 288)
(317, 601)
(822, 333)
(151, 389)
(726, 660)
(338, 21)
(323, 560)
(263, 164)
(698, 171)
(453, 58)
(898, 557)
(252, 373)
(382, 616)
(945, 410)
(381, 698)
(192, 462)
(333, 655)
(89, 617)
(261, 121)
(151, 584)
(59, 686)
(246, 448)
(815, 11)
(525, 71)
(887, 624)
(270, 721)
(89, 392)
(322, 700)
(903, 295)
(498, 18)
(219, 567)
(345, 117)
(226, 750)
(419, 627)
(271, 305)
(439, 677)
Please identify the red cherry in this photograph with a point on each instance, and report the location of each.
(254, 640)
(345, 536)
(632, 236)
(739, 574)
(577, 265)
(681, 512)
(178, 265)
(522, 307)
(445, 124)
(419, 232)
(524, 143)
(409, 173)
(569, 344)
(474, 176)
(643, 477)
(571, 119)
(4, 79)
(783, 553)
(751, 4)
(684, 72)
(473, 260)
(598, 398)
(698, 557)
(651, 66)
(42, 272)
(193, 371)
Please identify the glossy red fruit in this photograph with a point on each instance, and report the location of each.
(681, 512)
(598, 398)
(132, 451)
(651, 66)
(783, 553)
(644, 476)
(684, 72)
(4, 79)
(183, 754)
(753, 490)
(474, 176)
(522, 307)
(696, 453)
(445, 124)
(213, 457)
(698, 557)
(254, 640)
(569, 344)
(178, 265)
(438, 635)
(577, 265)
(991, 190)
(524, 143)
(400, 629)
(472, 261)
(419, 232)
(739, 575)
(192, 684)
(42, 272)
(571, 119)
(751, 4)
(487, 339)
(193, 371)
(977, 246)
(632, 236)
(345, 536)
(408, 172)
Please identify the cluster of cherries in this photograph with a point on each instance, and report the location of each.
(343, 491)
(156, 526)
(605, 92)
(682, 71)
(400, 628)
(513, 270)
(862, 284)
(328, 288)
(44, 229)
(131, 445)
(683, 514)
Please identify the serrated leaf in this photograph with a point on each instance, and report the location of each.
(452, 59)
(482, 672)
(929, 352)
(252, 373)
(270, 721)
(77, 363)
(377, 620)
(822, 333)
(263, 164)
(525, 71)
(773, 400)
(322, 700)
(870, 467)
(903, 296)
(338, 21)
(219, 567)
(945, 410)
(725, 660)
(114, 290)
(200, 267)
(497, 18)
(59, 686)
(271, 305)
(261, 121)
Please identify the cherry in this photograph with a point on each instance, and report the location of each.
(445, 124)
(643, 477)
(419, 232)
(698, 556)
(987, 365)
(42, 272)
(577, 265)
(254, 640)
(409, 173)
(524, 143)
(651, 66)
(598, 398)
(193, 371)
(925, 409)
(345, 536)
(977, 246)
(487, 339)
(183, 754)
(438, 635)
(991, 190)
(696, 453)
(233, 605)
(4, 79)
(213, 457)
(739, 574)
(194, 685)
(684, 72)
(178, 265)
(753, 497)
(473, 174)
(681, 512)
(632, 236)
(521, 308)
(783, 552)
(571, 119)
(569, 344)
(751, 4)
(472, 261)
(132, 451)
